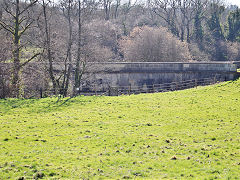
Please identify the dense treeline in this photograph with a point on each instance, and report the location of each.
(43, 43)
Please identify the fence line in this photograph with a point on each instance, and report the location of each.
(127, 90)
(153, 88)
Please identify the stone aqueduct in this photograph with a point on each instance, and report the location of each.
(103, 75)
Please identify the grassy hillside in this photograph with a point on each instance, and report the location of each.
(192, 133)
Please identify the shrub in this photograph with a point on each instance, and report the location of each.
(155, 45)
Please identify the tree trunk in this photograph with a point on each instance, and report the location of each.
(69, 51)
(188, 33)
(16, 56)
(78, 60)
(182, 33)
(1, 11)
(48, 48)
(116, 9)
(107, 6)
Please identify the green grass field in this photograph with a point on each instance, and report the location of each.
(191, 134)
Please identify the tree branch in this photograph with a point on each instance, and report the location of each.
(27, 7)
(26, 62)
(25, 28)
(9, 12)
(6, 27)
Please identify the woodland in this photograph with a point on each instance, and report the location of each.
(49, 44)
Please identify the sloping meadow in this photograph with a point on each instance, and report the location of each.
(192, 133)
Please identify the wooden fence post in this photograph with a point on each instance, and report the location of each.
(129, 90)
(41, 93)
(109, 91)
(95, 90)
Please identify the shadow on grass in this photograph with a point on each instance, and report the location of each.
(11, 105)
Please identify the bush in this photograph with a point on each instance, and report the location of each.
(155, 45)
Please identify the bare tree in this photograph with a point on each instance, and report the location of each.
(125, 10)
(167, 10)
(84, 13)
(187, 14)
(18, 22)
(117, 5)
(67, 8)
(80, 62)
(101, 40)
(107, 8)
(47, 40)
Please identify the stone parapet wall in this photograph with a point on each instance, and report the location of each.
(126, 67)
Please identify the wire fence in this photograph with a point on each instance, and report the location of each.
(95, 89)
(152, 88)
